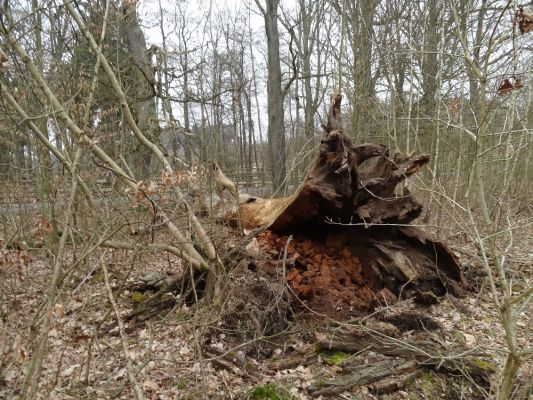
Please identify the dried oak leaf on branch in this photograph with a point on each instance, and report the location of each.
(510, 84)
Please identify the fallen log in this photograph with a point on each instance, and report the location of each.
(380, 356)
(365, 375)
(374, 355)
(351, 246)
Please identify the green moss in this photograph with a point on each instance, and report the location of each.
(485, 365)
(183, 316)
(459, 337)
(97, 277)
(334, 357)
(138, 297)
(430, 385)
(426, 386)
(269, 392)
(180, 384)
(218, 301)
(167, 297)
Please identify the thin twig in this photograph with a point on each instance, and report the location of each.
(139, 395)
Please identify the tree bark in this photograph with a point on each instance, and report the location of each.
(429, 66)
(276, 123)
(143, 90)
(45, 163)
(361, 16)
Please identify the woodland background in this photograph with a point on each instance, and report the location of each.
(112, 114)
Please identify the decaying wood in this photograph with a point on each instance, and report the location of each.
(185, 283)
(395, 382)
(424, 352)
(385, 364)
(350, 226)
(382, 362)
(231, 361)
(364, 375)
(303, 357)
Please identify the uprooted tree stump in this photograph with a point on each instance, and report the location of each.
(342, 244)
(344, 239)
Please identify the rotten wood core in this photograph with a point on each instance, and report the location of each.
(351, 246)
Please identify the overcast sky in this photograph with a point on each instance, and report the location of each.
(197, 8)
(149, 15)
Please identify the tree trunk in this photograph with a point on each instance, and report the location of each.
(362, 16)
(45, 162)
(143, 91)
(276, 126)
(310, 15)
(429, 67)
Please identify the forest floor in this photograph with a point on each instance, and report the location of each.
(203, 351)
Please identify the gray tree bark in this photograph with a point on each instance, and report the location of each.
(361, 16)
(429, 66)
(311, 14)
(45, 162)
(143, 91)
(184, 63)
(276, 126)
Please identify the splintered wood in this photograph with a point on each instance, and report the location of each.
(325, 274)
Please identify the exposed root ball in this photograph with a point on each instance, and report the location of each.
(323, 273)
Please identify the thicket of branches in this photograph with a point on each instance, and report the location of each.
(105, 104)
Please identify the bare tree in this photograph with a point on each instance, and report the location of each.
(143, 87)
(276, 122)
(93, 99)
